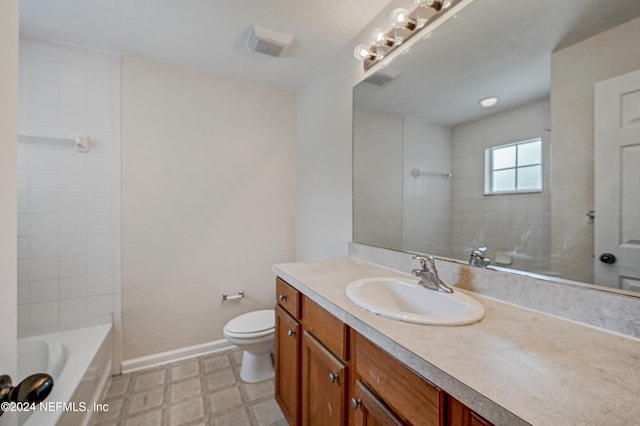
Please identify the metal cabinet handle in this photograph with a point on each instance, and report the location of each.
(333, 377)
(291, 333)
(355, 402)
(282, 297)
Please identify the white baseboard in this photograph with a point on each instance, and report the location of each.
(162, 358)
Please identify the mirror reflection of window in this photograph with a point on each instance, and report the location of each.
(514, 168)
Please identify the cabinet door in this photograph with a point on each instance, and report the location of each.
(459, 414)
(371, 410)
(287, 366)
(324, 385)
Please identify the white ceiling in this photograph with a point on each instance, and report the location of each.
(206, 35)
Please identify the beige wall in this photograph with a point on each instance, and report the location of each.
(324, 151)
(207, 202)
(574, 71)
(8, 185)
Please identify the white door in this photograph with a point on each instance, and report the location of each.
(617, 182)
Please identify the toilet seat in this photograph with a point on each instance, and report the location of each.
(252, 324)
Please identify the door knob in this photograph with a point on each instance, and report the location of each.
(608, 258)
(34, 389)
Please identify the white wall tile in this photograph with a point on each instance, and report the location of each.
(74, 287)
(74, 310)
(42, 202)
(70, 224)
(71, 202)
(43, 313)
(100, 285)
(99, 264)
(43, 224)
(43, 269)
(73, 266)
(43, 291)
(68, 202)
(99, 244)
(99, 223)
(23, 315)
(44, 246)
(100, 305)
(72, 245)
(44, 180)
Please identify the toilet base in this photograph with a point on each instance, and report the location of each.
(256, 367)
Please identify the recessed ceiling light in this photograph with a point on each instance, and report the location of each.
(488, 102)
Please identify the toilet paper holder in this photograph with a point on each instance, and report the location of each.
(238, 296)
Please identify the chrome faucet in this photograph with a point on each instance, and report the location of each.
(428, 275)
(478, 258)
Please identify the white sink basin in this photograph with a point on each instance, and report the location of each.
(405, 300)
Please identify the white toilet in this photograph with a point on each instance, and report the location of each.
(254, 333)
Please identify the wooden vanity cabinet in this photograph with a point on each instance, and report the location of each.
(287, 352)
(311, 378)
(327, 374)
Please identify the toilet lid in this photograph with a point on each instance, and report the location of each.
(253, 322)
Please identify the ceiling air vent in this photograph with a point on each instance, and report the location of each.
(382, 77)
(269, 42)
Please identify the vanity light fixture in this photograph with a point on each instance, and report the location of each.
(404, 25)
(488, 102)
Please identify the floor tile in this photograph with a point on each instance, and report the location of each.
(220, 379)
(225, 399)
(205, 391)
(215, 363)
(186, 412)
(268, 413)
(153, 418)
(148, 380)
(153, 398)
(185, 370)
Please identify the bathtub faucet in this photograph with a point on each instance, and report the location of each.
(33, 390)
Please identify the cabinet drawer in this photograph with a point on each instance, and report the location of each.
(288, 297)
(415, 400)
(325, 327)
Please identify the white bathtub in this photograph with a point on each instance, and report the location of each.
(80, 363)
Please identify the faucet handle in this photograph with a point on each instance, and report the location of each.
(482, 251)
(421, 259)
(427, 263)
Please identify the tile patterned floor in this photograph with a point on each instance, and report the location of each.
(202, 391)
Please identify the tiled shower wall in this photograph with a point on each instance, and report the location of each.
(518, 225)
(68, 202)
(426, 210)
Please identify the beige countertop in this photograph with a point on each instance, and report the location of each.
(516, 366)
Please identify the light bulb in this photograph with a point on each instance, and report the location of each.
(362, 52)
(436, 4)
(380, 38)
(399, 18)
